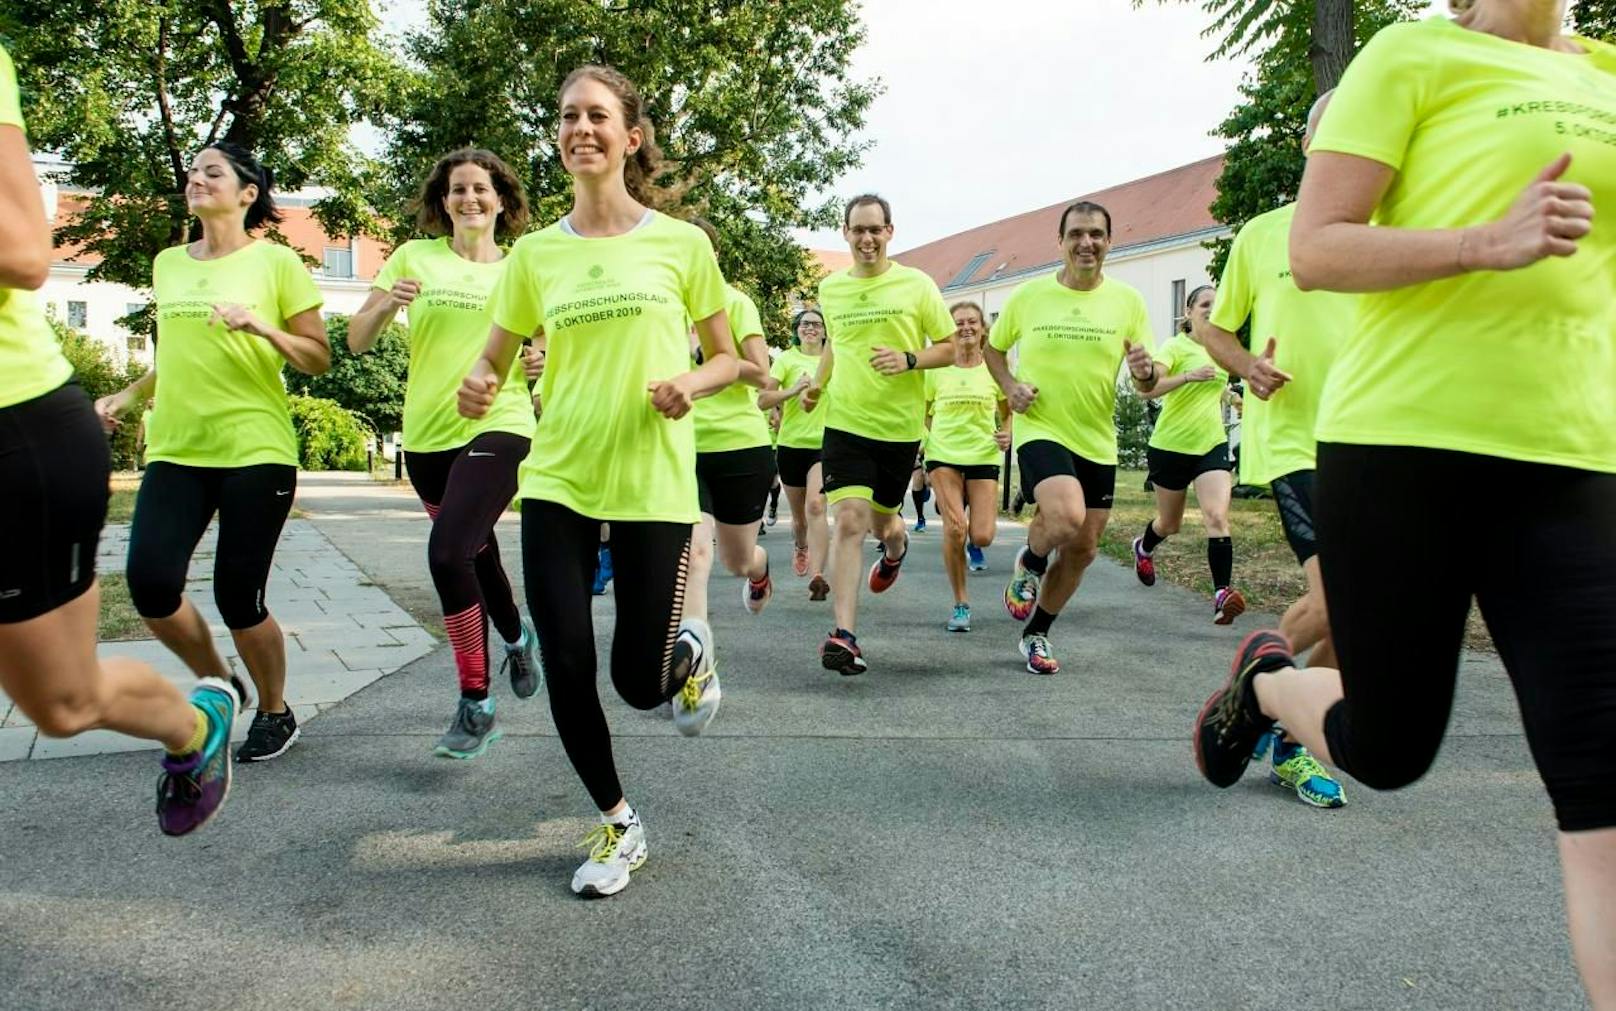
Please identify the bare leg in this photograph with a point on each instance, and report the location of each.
(263, 650)
(854, 517)
(949, 487)
(187, 636)
(1588, 863)
(1169, 511)
(1073, 559)
(49, 668)
(701, 567)
(797, 498)
(739, 551)
(1213, 491)
(982, 497)
(1299, 699)
(1307, 623)
(818, 526)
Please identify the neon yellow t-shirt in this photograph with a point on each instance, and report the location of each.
(1517, 364)
(614, 313)
(222, 398)
(730, 419)
(900, 309)
(798, 430)
(1192, 416)
(31, 363)
(1072, 350)
(1308, 329)
(448, 329)
(964, 408)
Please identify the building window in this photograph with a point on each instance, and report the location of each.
(339, 261)
(970, 269)
(1179, 294)
(137, 342)
(78, 315)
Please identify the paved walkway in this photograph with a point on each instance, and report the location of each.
(342, 633)
(946, 831)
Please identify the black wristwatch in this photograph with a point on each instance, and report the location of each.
(914, 362)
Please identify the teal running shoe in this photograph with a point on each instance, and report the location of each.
(1297, 770)
(961, 621)
(193, 787)
(471, 732)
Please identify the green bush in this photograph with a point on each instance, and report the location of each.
(329, 436)
(1133, 428)
(371, 385)
(100, 375)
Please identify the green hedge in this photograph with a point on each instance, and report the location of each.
(329, 436)
(100, 375)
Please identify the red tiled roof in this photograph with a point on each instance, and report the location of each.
(1175, 202)
(831, 260)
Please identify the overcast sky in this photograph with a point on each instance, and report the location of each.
(993, 107)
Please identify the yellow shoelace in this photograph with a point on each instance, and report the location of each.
(690, 694)
(602, 842)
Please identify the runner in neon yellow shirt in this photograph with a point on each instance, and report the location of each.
(1189, 446)
(232, 311)
(1461, 180)
(1075, 331)
(464, 471)
(614, 285)
(734, 463)
(968, 432)
(798, 454)
(1297, 335)
(880, 316)
(54, 467)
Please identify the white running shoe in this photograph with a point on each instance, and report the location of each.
(614, 852)
(697, 702)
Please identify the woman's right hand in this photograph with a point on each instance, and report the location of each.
(403, 292)
(111, 409)
(477, 390)
(532, 362)
(1205, 373)
(1547, 220)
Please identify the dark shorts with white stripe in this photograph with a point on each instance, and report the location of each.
(1293, 494)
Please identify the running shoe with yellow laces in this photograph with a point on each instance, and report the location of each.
(1021, 593)
(1230, 724)
(615, 851)
(697, 701)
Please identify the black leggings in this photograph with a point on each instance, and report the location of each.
(173, 509)
(649, 564)
(1402, 553)
(464, 491)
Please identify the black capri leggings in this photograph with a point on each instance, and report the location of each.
(1400, 564)
(173, 508)
(649, 564)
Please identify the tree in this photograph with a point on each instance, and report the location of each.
(1595, 19)
(370, 385)
(127, 90)
(99, 375)
(753, 104)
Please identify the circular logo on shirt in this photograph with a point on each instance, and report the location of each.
(596, 271)
(864, 297)
(468, 279)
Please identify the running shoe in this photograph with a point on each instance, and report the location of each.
(1021, 593)
(603, 570)
(1143, 565)
(961, 621)
(799, 562)
(1040, 658)
(522, 658)
(773, 516)
(840, 653)
(818, 588)
(615, 851)
(193, 787)
(1297, 770)
(270, 735)
(1227, 605)
(1230, 725)
(697, 701)
(471, 732)
(975, 558)
(756, 594)
(920, 523)
(885, 570)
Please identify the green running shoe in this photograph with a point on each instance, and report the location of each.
(1296, 769)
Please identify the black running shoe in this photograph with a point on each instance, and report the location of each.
(269, 737)
(1230, 724)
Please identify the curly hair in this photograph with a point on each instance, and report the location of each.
(432, 218)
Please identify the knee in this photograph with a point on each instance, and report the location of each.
(738, 561)
(815, 507)
(1396, 752)
(701, 552)
(1081, 554)
(154, 589)
(638, 691)
(954, 522)
(443, 556)
(850, 526)
(1165, 527)
(1217, 522)
(68, 714)
(240, 604)
(984, 537)
(1064, 524)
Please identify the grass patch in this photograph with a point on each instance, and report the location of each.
(119, 619)
(121, 506)
(1265, 569)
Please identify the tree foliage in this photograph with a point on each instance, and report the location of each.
(1595, 19)
(753, 103)
(99, 375)
(370, 385)
(126, 91)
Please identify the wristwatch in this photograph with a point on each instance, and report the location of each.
(909, 356)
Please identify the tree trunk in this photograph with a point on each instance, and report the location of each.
(1333, 42)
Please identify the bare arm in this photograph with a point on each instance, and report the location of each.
(1334, 247)
(478, 389)
(25, 239)
(754, 362)
(303, 343)
(776, 395)
(816, 389)
(112, 407)
(366, 325)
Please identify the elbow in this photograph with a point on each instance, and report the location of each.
(317, 365)
(25, 270)
(1305, 266)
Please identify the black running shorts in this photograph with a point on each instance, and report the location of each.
(795, 464)
(734, 485)
(970, 472)
(1177, 471)
(1293, 494)
(1042, 459)
(872, 469)
(54, 465)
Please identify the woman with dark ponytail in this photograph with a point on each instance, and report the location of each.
(232, 310)
(614, 285)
